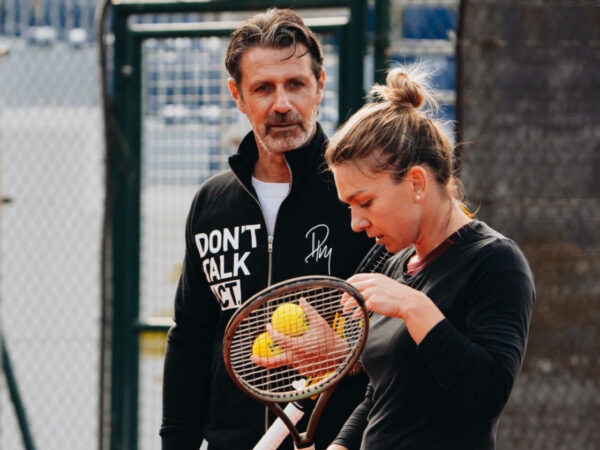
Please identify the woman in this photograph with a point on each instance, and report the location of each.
(453, 306)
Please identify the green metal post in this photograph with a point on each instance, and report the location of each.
(125, 238)
(352, 53)
(382, 39)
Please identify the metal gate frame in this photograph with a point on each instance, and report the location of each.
(123, 117)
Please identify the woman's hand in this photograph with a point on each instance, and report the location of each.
(386, 296)
(311, 353)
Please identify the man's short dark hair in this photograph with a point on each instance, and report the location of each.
(275, 28)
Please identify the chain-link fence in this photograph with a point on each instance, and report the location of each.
(527, 106)
(52, 175)
(425, 31)
(529, 96)
(189, 126)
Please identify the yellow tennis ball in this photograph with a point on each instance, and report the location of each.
(264, 346)
(289, 319)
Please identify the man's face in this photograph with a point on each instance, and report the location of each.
(280, 96)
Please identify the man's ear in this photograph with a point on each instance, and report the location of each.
(321, 84)
(235, 94)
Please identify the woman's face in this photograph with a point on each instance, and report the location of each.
(384, 209)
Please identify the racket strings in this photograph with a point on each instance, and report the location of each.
(375, 260)
(320, 353)
(377, 265)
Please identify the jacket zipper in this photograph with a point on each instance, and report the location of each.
(270, 253)
(270, 238)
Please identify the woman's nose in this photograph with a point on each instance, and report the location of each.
(358, 223)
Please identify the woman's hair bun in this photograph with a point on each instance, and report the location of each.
(406, 87)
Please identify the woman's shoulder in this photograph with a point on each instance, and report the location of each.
(478, 231)
(490, 242)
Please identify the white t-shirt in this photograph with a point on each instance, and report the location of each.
(270, 196)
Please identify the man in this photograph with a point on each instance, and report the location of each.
(274, 215)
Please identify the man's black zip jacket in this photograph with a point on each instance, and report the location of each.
(228, 258)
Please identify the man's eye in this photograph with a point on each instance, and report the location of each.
(296, 84)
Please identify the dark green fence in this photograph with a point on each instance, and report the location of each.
(171, 124)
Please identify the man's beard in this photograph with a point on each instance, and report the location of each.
(274, 141)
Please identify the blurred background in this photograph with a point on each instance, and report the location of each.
(112, 114)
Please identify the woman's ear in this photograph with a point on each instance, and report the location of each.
(419, 177)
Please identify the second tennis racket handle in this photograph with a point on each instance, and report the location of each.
(277, 432)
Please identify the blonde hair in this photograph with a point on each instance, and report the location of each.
(398, 130)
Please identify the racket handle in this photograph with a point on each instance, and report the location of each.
(277, 432)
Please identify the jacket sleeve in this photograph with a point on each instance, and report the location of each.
(186, 378)
(478, 367)
(350, 436)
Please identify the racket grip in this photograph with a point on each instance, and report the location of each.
(277, 432)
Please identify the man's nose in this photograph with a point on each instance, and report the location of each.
(282, 101)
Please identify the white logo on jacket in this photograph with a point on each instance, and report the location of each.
(223, 264)
(224, 253)
(319, 249)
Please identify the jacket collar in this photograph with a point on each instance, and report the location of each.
(303, 161)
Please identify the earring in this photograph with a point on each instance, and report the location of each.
(417, 198)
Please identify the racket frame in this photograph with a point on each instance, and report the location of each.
(325, 389)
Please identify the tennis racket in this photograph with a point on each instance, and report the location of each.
(372, 262)
(313, 347)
